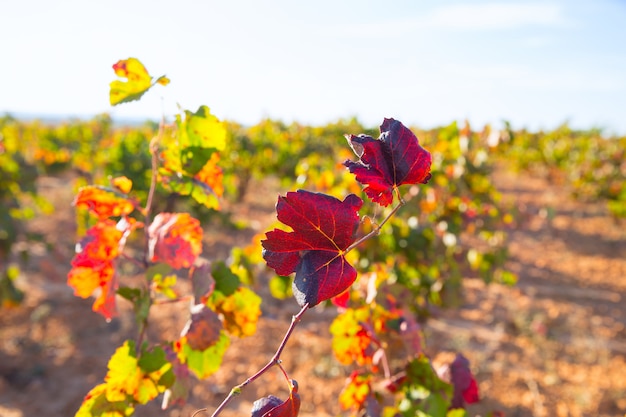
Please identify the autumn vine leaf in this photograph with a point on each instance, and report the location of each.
(463, 381)
(352, 342)
(395, 158)
(138, 81)
(323, 228)
(272, 406)
(176, 239)
(240, 310)
(203, 328)
(202, 363)
(354, 333)
(93, 265)
(356, 392)
(132, 379)
(190, 160)
(103, 202)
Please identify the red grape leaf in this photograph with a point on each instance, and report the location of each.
(92, 266)
(465, 385)
(271, 406)
(395, 158)
(176, 239)
(203, 328)
(323, 228)
(103, 202)
(341, 300)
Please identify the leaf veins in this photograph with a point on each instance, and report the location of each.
(323, 228)
(395, 158)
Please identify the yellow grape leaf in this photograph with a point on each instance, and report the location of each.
(95, 404)
(103, 202)
(351, 340)
(202, 363)
(137, 378)
(124, 184)
(165, 285)
(138, 81)
(354, 395)
(240, 310)
(176, 239)
(202, 129)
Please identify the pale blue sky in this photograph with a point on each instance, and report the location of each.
(427, 63)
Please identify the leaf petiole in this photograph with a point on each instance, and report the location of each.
(377, 228)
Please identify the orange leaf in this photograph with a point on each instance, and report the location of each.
(211, 174)
(103, 202)
(351, 340)
(176, 239)
(203, 328)
(92, 266)
(354, 395)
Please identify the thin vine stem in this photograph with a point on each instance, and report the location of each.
(376, 230)
(154, 149)
(275, 360)
(154, 152)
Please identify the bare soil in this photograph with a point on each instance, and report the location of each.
(553, 345)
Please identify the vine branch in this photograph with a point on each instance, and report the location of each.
(275, 360)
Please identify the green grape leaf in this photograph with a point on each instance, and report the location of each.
(280, 287)
(202, 363)
(194, 158)
(202, 129)
(139, 379)
(226, 282)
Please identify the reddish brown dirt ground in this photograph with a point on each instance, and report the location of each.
(554, 345)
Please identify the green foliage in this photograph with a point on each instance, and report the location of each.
(590, 164)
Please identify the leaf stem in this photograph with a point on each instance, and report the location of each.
(154, 152)
(274, 361)
(376, 230)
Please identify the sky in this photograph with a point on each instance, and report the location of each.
(536, 64)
